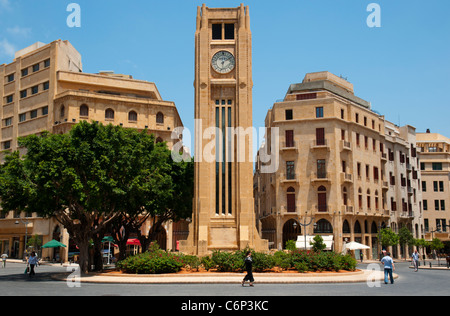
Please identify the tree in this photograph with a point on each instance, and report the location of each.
(405, 237)
(317, 244)
(388, 238)
(86, 179)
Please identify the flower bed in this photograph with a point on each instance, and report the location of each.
(158, 261)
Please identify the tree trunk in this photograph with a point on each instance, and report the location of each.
(83, 261)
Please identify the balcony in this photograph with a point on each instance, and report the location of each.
(407, 215)
(320, 144)
(347, 209)
(384, 185)
(346, 177)
(288, 178)
(288, 146)
(384, 157)
(288, 211)
(346, 145)
(321, 208)
(320, 177)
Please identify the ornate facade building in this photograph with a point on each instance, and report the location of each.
(44, 89)
(342, 166)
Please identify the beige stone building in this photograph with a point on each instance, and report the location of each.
(434, 155)
(44, 88)
(334, 166)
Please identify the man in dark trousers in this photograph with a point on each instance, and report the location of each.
(248, 268)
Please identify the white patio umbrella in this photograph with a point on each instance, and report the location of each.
(353, 245)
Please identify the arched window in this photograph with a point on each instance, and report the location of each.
(84, 110)
(290, 197)
(357, 228)
(132, 116)
(346, 227)
(160, 118)
(62, 111)
(374, 229)
(109, 114)
(322, 199)
(323, 227)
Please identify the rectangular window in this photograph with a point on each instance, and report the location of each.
(290, 170)
(437, 166)
(24, 72)
(442, 205)
(424, 186)
(357, 117)
(10, 98)
(35, 67)
(7, 145)
(289, 138)
(35, 90)
(23, 94)
(436, 205)
(422, 166)
(306, 96)
(321, 169)
(45, 110)
(319, 112)
(229, 31)
(441, 186)
(217, 31)
(10, 78)
(425, 205)
(435, 186)
(289, 115)
(46, 63)
(320, 136)
(33, 114)
(46, 85)
(22, 117)
(8, 121)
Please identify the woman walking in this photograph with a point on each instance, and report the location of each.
(32, 261)
(248, 268)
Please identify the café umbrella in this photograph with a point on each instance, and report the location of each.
(354, 246)
(53, 244)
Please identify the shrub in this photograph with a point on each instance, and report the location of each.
(290, 245)
(155, 262)
(228, 261)
(191, 262)
(282, 260)
(301, 266)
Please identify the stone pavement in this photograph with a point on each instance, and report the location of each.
(229, 278)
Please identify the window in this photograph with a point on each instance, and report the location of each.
(323, 227)
(7, 145)
(24, 72)
(132, 116)
(306, 96)
(33, 114)
(424, 186)
(46, 63)
(289, 138)
(289, 115)
(7, 122)
(425, 205)
(320, 136)
(229, 31)
(46, 85)
(217, 31)
(109, 114)
(442, 205)
(10, 98)
(321, 169)
(436, 205)
(45, 110)
(435, 186)
(342, 114)
(10, 78)
(441, 186)
(84, 110)
(34, 90)
(23, 94)
(322, 199)
(22, 117)
(437, 166)
(290, 170)
(160, 118)
(35, 67)
(357, 117)
(290, 197)
(422, 166)
(319, 111)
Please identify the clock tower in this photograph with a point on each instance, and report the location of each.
(223, 208)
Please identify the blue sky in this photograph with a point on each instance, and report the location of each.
(402, 68)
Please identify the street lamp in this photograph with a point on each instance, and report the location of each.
(26, 222)
(305, 224)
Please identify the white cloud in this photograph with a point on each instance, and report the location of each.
(18, 31)
(6, 48)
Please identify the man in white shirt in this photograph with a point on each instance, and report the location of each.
(4, 256)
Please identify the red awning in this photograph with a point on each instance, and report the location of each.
(133, 242)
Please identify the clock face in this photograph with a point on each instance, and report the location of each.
(223, 62)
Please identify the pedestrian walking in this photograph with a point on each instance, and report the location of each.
(389, 267)
(361, 255)
(415, 260)
(32, 261)
(4, 257)
(248, 268)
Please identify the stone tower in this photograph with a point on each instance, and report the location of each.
(223, 209)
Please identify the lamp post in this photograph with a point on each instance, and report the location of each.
(305, 224)
(26, 222)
